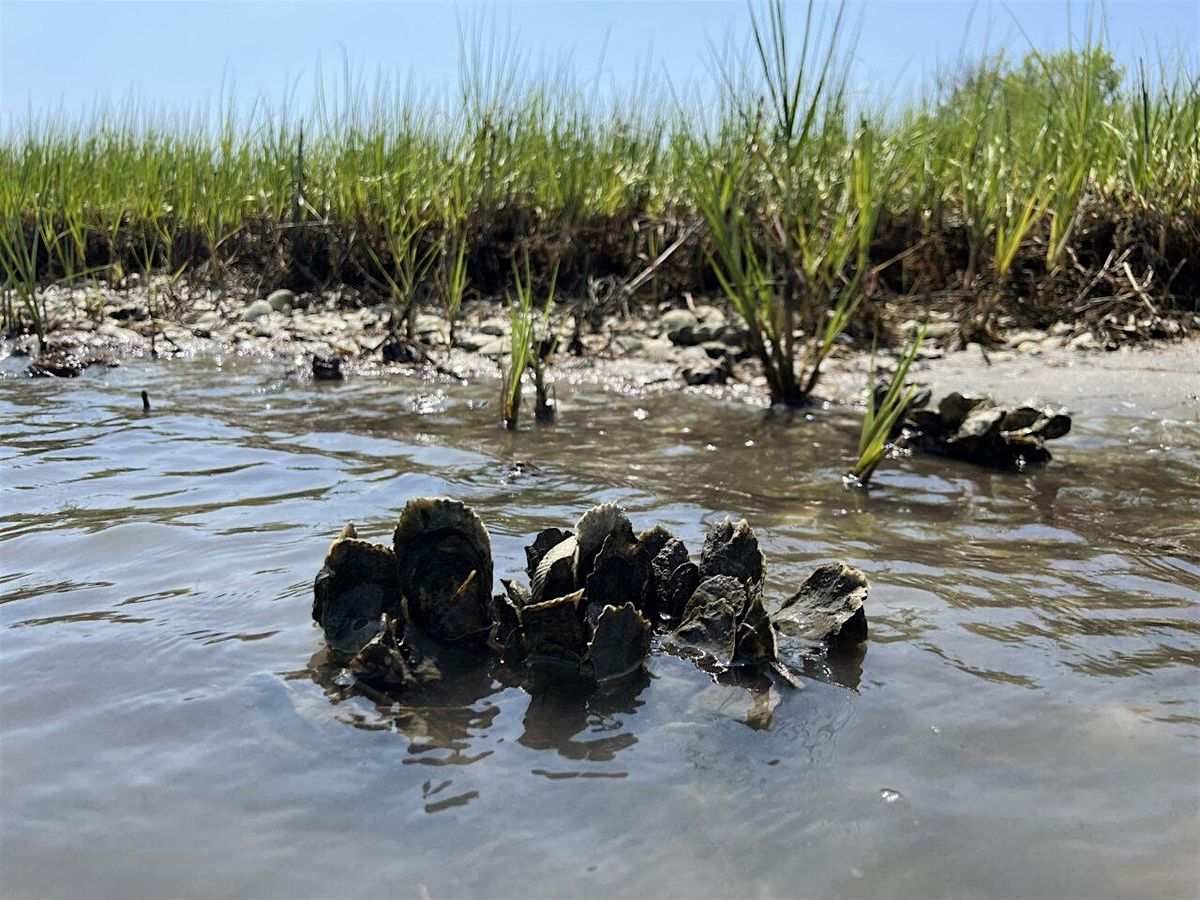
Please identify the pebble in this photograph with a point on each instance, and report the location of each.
(256, 310)
(281, 299)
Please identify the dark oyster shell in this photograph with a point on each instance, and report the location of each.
(357, 584)
(619, 643)
(828, 608)
(620, 574)
(553, 632)
(555, 573)
(388, 663)
(678, 589)
(662, 566)
(545, 541)
(505, 613)
(710, 619)
(732, 549)
(445, 561)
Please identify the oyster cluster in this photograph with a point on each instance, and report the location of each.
(596, 597)
(975, 429)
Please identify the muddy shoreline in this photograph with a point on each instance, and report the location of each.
(699, 347)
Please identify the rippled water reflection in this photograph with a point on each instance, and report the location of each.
(1024, 721)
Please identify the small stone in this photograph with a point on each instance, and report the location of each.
(1031, 336)
(256, 310)
(281, 299)
(676, 319)
(628, 344)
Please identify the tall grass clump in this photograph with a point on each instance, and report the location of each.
(884, 413)
(1026, 187)
(527, 350)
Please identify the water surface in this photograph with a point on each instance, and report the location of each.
(1025, 720)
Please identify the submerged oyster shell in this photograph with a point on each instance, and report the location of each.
(553, 632)
(827, 608)
(445, 562)
(357, 584)
(620, 642)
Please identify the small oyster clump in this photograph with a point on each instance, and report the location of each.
(596, 595)
(976, 430)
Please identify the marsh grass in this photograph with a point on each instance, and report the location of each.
(527, 352)
(1012, 186)
(883, 414)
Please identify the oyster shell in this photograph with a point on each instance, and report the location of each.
(555, 573)
(732, 549)
(662, 566)
(828, 608)
(505, 613)
(755, 640)
(593, 529)
(620, 574)
(620, 642)
(710, 619)
(546, 540)
(444, 557)
(553, 632)
(678, 589)
(388, 663)
(358, 583)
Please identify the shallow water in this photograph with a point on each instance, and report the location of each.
(1025, 720)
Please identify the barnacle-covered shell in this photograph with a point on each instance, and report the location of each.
(732, 549)
(954, 408)
(620, 642)
(710, 619)
(827, 608)
(445, 561)
(357, 584)
(553, 632)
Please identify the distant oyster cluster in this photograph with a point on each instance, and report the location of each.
(597, 597)
(975, 429)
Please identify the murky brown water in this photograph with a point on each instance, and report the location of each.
(1025, 720)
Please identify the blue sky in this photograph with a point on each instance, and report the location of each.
(67, 54)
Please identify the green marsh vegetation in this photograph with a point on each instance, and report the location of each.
(1034, 185)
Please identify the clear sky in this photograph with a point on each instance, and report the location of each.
(64, 55)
